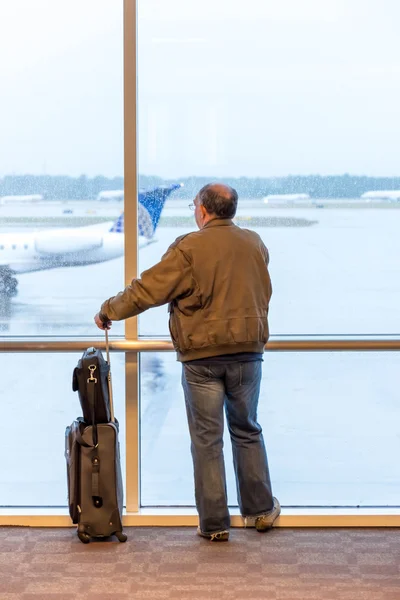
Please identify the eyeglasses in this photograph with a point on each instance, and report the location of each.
(192, 206)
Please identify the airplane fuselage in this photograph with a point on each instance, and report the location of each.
(36, 251)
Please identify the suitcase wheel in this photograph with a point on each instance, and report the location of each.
(84, 537)
(122, 537)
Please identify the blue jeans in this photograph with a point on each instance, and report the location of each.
(208, 388)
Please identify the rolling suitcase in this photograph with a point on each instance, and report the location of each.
(95, 491)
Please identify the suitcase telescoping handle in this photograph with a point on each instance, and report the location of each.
(110, 392)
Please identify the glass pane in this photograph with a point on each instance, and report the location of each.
(330, 423)
(61, 147)
(295, 105)
(37, 405)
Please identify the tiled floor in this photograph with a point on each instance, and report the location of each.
(158, 563)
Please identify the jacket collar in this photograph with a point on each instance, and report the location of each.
(218, 223)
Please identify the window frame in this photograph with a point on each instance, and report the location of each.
(131, 344)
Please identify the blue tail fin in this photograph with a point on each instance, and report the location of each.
(151, 203)
(118, 226)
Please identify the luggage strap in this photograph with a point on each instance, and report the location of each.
(109, 381)
(96, 498)
(92, 388)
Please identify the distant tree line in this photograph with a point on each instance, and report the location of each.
(60, 187)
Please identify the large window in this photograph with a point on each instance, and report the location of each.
(61, 148)
(292, 103)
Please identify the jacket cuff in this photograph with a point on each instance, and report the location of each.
(103, 317)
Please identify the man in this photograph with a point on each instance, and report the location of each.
(217, 284)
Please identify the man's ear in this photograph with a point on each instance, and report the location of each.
(203, 211)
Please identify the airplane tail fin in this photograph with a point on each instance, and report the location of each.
(151, 203)
(118, 226)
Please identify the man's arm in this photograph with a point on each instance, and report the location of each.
(163, 282)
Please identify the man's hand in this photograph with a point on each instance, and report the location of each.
(102, 324)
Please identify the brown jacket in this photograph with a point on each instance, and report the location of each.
(217, 284)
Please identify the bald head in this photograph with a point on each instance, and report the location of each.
(219, 199)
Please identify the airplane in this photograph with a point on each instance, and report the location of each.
(391, 195)
(285, 198)
(70, 247)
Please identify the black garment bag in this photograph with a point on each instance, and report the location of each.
(93, 366)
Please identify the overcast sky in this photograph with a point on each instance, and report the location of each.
(226, 87)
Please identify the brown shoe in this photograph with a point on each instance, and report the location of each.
(265, 522)
(219, 536)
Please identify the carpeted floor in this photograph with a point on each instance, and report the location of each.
(158, 563)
